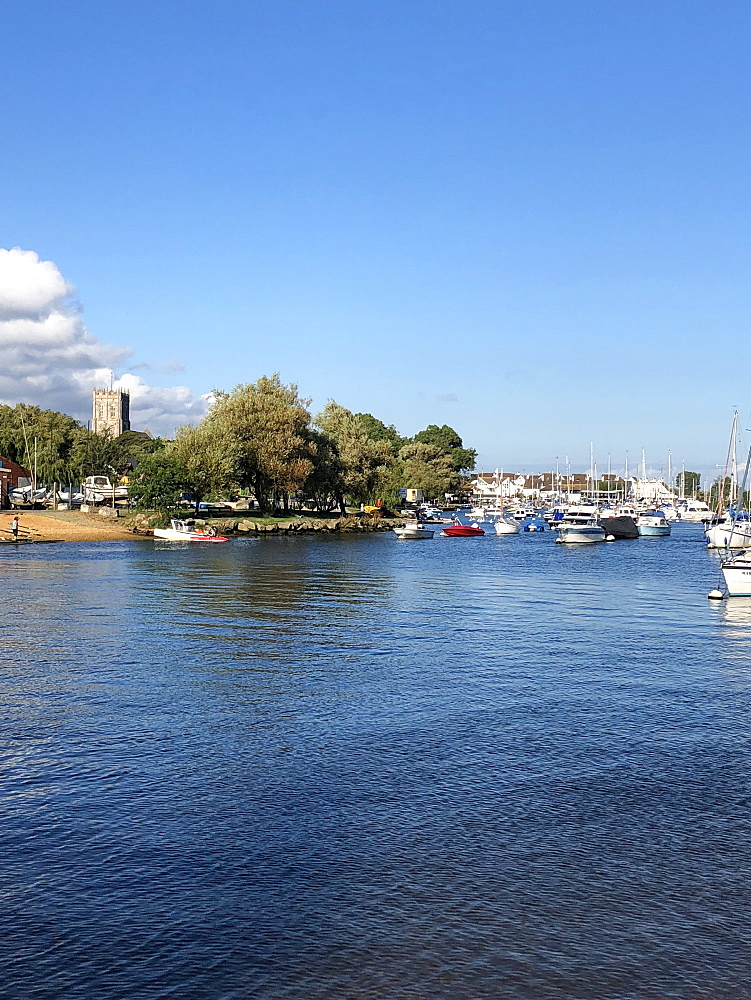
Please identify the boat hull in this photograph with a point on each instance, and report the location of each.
(737, 576)
(727, 536)
(413, 531)
(623, 526)
(462, 531)
(507, 526)
(171, 535)
(653, 530)
(580, 534)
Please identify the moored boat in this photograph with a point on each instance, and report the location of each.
(620, 526)
(653, 523)
(736, 572)
(507, 525)
(694, 511)
(413, 529)
(729, 534)
(183, 531)
(580, 532)
(462, 531)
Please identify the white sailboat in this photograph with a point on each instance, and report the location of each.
(507, 525)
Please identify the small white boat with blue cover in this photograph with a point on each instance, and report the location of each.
(652, 523)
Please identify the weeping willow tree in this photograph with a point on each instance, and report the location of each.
(45, 438)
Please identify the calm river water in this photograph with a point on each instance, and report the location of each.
(353, 767)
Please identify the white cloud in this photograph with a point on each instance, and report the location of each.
(164, 409)
(50, 359)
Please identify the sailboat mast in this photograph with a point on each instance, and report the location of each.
(734, 462)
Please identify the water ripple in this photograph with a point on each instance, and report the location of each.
(354, 768)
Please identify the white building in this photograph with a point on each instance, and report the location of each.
(651, 490)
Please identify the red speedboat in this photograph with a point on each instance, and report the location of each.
(462, 531)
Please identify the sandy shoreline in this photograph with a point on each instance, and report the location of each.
(65, 526)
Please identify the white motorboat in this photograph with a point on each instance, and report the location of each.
(729, 534)
(577, 532)
(99, 489)
(574, 513)
(184, 531)
(694, 511)
(652, 523)
(736, 572)
(413, 529)
(668, 511)
(25, 496)
(430, 513)
(507, 525)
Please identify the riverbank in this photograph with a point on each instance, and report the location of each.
(81, 526)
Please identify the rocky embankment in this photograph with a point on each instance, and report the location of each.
(143, 524)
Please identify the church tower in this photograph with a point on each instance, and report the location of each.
(111, 411)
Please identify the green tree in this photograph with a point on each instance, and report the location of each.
(429, 468)
(204, 455)
(361, 458)
(97, 455)
(376, 430)
(688, 483)
(324, 484)
(445, 437)
(47, 438)
(265, 429)
(159, 482)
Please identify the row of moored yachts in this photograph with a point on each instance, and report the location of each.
(582, 523)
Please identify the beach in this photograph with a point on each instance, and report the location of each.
(65, 526)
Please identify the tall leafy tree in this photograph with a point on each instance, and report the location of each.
(204, 456)
(361, 458)
(445, 437)
(324, 484)
(28, 433)
(159, 482)
(429, 468)
(688, 482)
(376, 430)
(265, 429)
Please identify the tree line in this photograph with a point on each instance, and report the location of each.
(260, 440)
(61, 450)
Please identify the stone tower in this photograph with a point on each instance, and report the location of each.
(111, 411)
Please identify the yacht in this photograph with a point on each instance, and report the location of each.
(694, 511)
(580, 531)
(729, 534)
(736, 572)
(99, 489)
(507, 525)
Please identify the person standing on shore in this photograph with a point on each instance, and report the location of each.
(14, 526)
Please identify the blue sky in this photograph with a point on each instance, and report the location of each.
(527, 220)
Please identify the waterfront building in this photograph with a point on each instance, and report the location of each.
(12, 475)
